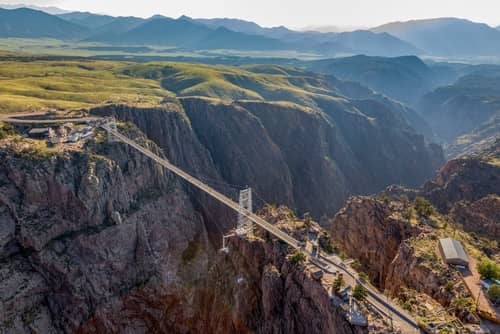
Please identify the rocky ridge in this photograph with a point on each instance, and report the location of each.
(399, 251)
(102, 239)
(269, 141)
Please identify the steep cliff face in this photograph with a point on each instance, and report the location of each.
(481, 216)
(298, 138)
(395, 238)
(250, 289)
(465, 179)
(310, 159)
(242, 148)
(468, 189)
(465, 114)
(399, 252)
(368, 230)
(85, 229)
(101, 239)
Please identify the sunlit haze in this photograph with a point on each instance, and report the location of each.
(292, 13)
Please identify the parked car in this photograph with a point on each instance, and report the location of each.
(74, 138)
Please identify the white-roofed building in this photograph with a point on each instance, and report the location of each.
(453, 252)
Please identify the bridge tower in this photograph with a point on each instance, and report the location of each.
(112, 125)
(245, 225)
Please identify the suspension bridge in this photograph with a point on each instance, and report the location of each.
(207, 189)
(245, 215)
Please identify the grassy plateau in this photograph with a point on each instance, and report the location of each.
(33, 84)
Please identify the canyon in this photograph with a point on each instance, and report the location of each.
(96, 237)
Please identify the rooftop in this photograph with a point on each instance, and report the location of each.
(453, 250)
(38, 131)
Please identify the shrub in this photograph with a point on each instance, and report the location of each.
(384, 197)
(359, 292)
(423, 207)
(338, 283)
(494, 293)
(356, 265)
(448, 287)
(308, 222)
(464, 304)
(343, 255)
(290, 215)
(364, 276)
(6, 130)
(34, 152)
(298, 258)
(407, 214)
(326, 244)
(488, 269)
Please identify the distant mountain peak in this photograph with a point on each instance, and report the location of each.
(158, 16)
(447, 36)
(32, 23)
(49, 10)
(185, 17)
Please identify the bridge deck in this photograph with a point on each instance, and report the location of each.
(209, 190)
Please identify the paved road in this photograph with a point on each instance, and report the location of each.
(331, 264)
(402, 320)
(405, 322)
(212, 192)
(21, 118)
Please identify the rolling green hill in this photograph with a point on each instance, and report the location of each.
(70, 85)
(334, 138)
(34, 85)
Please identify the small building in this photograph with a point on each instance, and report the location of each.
(65, 129)
(73, 138)
(39, 133)
(345, 294)
(487, 283)
(317, 274)
(453, 252)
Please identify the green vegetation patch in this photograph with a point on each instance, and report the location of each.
(297, 258)
(190, 252)
(30, 84)
(6, 130)
(34, 150)
(254, 83)
(488, 269)
(69, 85)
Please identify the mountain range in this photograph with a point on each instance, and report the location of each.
(437, 37)
(47, 9)
(29, 23)
(447, 36)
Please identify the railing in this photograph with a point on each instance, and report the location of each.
(209, 190)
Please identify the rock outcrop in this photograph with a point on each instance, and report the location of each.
(465, 114)
(367, 229)
(305, 158)
(101, 239)
(481, 216)
(66, 254)
(394, 247)
(468, 189)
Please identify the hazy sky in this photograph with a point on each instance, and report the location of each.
(292, 13)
